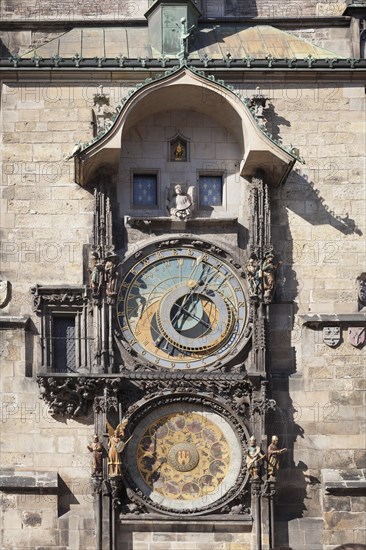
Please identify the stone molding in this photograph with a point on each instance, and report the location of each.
(318, 319)
(28, 479)
(343, 482)
(9, 322)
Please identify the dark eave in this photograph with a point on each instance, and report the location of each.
(56, 64)
(64, 25)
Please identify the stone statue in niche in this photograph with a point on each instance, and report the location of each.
(180, 203)
(179, 152)
(97, 450)
(111, 275)
(96, 276)
(254, 457)
(269, 267)
(178, 149)
(116, 446)
(273, 453)
(254, 279)
(262, 277)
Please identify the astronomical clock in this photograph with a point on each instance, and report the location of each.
(182, 307)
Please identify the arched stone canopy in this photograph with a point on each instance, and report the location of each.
(185, 89)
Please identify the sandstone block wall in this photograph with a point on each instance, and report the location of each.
(128, 9)
(319, 228)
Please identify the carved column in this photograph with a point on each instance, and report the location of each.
(267, 513)
(103, 279)
(256, 511)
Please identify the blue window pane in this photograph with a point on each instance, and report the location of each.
(210, 191)
(64, 344)
(145, 190)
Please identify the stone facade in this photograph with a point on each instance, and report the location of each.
(318, 231)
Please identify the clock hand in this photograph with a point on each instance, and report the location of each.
(201, 282)
(197, 318)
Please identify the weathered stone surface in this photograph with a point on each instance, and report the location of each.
(31, 519)
(319, 231)
(36, 480)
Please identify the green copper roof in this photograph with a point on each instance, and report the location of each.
(212, 41)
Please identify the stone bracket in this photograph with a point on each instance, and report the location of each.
(35, 481)
(214, 522)
(74, 395)
(343, 482)
(317, 320)
(12, 322)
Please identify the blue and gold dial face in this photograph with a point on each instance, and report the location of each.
(181, 308)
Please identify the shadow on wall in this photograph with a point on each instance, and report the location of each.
(297, 490)
(65, 498)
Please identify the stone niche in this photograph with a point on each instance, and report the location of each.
(213, 151)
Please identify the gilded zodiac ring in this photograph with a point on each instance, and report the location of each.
(183, 457)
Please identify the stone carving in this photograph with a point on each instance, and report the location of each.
(133, 504)
(269, 267)
(256, 487)
(231, 388)
(68, 396)
(57, 296)
(254, 457)
(100, 112)
(356, 336)
(4, 293)
(183, 40)
(331, 336)
(261, 406)
(258, 103)
(362, 288)
(261, 277)
(179, 152)
(273, 453)
(105, 404)
(103, 272)
(269, 488)
(115, 447)
(254, 278)
(97, 450)
(96, 276)
(261, 266)
(114, 459)
(111, 276)
(76, 396)
(180, 203)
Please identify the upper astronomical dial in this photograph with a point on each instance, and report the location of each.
(181, 308)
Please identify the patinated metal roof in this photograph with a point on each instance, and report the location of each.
(212, 41)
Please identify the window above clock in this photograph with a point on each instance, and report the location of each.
(145, 189)
(210, 190)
